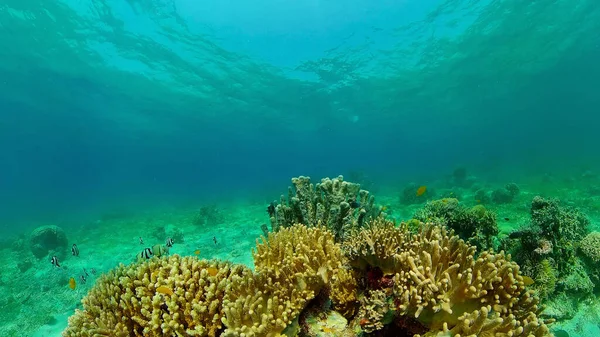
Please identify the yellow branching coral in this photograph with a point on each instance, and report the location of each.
(487, 323)
(259, 307)
(377, 245)
(174, 296)
(438, 281)
(292, 266)
(299, 254)
(344, 292)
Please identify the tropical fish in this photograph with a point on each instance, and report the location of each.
(215, 239)
(159, 250)
(72, 283)
(74, 250)
(212, 271)
(164, 290)
(421, 190)
(506, 219)
(197, 252)
(145, 254)
(528, 280)
(82, 278)
(271, 209)
(85, 272)
(93, 270)
(141, 241)
(353, 203)
(169, 242)
(54, 261)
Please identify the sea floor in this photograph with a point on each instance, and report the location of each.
(37, 299)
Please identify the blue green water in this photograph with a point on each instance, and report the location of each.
(116, 108)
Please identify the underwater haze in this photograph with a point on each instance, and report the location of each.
(114, 112)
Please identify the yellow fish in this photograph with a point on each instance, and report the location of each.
(197, 252)
(72, 283)
(528, 281)
(421, 190)
(160, 250)
(164, 290)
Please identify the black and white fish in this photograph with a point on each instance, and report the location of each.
(55, 261)
(141, 241)
(74, 250)
(145, 254)
(169, 242)
(93, 270)
(85, 272)
(82, 278)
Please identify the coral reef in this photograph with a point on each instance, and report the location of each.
(334, 203)
(48, 240)
(477, 225)
(382, 279)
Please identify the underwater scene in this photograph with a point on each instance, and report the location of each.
(391, 168)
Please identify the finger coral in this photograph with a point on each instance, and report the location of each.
(292, 266)
(376, 245)
(344, 292)
(174, 296)
(334, 203)
(438, 281)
